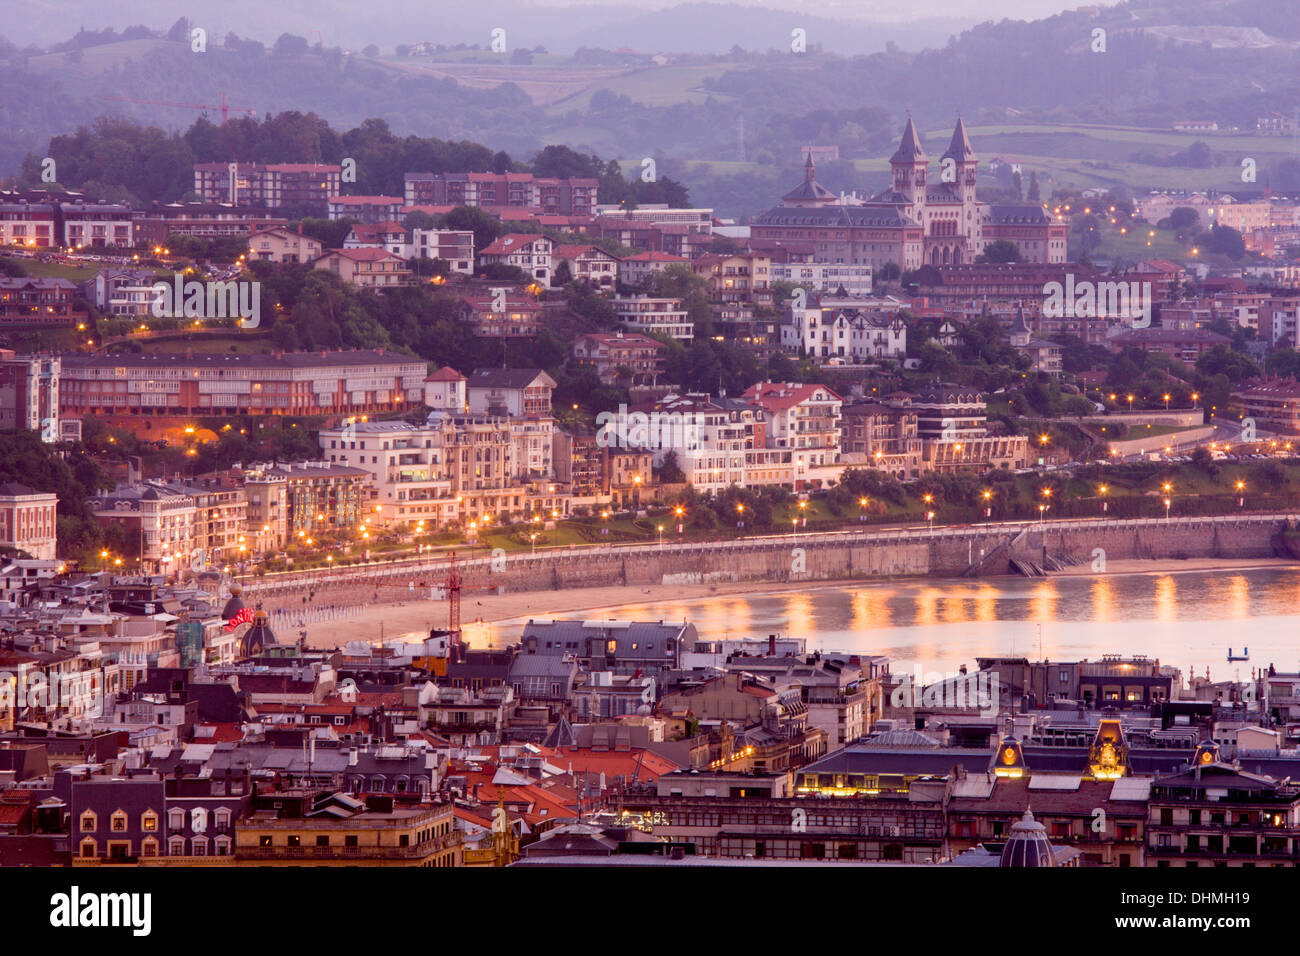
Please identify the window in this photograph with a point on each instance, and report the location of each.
(89, 821)
(294, 840)
(176, 819)
(119, 821)
(350, 840)
(149, 822)
(264, 840)
(323, 840)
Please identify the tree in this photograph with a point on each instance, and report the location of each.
(290, 45)
(486, 228)
(669, 472)
(1033, 188)
(1183, 217)
(1000, 250)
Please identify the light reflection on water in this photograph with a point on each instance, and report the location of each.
(1186, 619)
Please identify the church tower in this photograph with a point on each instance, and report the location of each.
(957, 166)
(908, 165)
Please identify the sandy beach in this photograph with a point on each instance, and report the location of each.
(479, 611)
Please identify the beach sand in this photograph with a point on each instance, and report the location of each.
(478, 611)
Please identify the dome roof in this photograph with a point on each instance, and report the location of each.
(1028, 844)
(258, 637)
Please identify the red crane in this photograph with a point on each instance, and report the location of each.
(454, 586)
(226, 108)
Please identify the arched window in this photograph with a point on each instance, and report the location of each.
(176, 819)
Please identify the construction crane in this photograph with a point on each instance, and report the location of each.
(226, 108)
(455, 585)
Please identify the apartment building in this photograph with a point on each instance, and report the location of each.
(637, 269)
(717, 442)
(886, 439)
(97, 224)
(802, 418)
(29, 393)
(651, 316)
(567, 197)
(371, 209)
(29, 224)
(304, 186)
(132, 386)
(453, 245)
(1274, 404)
(201, 220)
(952, 424)
(507, 314)
(390, 236)
(28, 520)
(161, 516)
(740, 277)
(828, 330)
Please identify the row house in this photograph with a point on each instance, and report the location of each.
(531, 254)
(366, 268)
(1186, 346)
(855, 280)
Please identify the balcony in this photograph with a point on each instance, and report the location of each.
(349, 852)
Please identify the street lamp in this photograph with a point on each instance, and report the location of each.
(929, 517)
(1241, 488)
(679, 511)
(533, 540)
(740, 516)
(803, 519)
(1041, 510)
(988, 507)
(862, 505)
(1130, 403)
(661, 536)
(1167, 503)
(1166, 398)
(1105, 505)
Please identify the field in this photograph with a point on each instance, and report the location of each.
(58, 270)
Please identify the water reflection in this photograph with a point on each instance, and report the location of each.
(1185, 619)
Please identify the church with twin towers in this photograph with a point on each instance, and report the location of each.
(925, 217)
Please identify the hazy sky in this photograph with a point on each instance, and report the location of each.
(46, 21)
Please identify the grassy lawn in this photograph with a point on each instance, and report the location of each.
(58, 270)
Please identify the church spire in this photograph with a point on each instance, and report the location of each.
(809, 169)
(960, 148)
(909, 149)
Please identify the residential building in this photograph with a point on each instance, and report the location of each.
(453, 245)
(367, 268)
(28, 520)
(619, 357)
(38, 300)
(29, 224)
(366, 208)
(1274, 404)
(637, 269)
(588, 263)
(881, 437)
(530, 253)
(390, 236)
(304, 187)
(138, 387)
(96, 224)
(569, 197)
(29, 394)
(654, 316)
(515, 392)
(283, 245)
(160, 516)
(802, 418)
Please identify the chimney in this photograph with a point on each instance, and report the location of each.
(771, 645)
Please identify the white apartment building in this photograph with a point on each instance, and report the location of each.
(717, 442)
(825, 276)
(829, 332)
(454, 245)
(802, 418)
(532, 254)
(649, 315)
